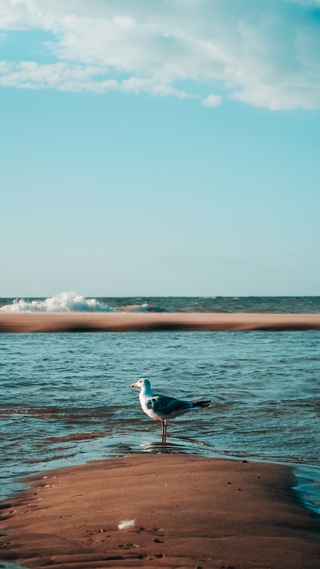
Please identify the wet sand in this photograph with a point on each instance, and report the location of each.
(125, 322)
(184, 511)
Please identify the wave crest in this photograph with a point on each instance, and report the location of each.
(62, 302)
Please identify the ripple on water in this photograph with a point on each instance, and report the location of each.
(66, 397)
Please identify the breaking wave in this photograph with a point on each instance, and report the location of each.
(73, 302)
(63, 302)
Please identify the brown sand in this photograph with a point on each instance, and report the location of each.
(123, 322)
(188, 512)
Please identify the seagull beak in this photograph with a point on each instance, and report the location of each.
(134, 385)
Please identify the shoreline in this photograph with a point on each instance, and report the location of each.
(175, 321)
(188, 511)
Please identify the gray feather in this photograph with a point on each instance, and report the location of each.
(167, 405)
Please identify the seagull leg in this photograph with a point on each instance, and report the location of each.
(164, 432)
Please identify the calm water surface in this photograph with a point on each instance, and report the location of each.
(66, 398)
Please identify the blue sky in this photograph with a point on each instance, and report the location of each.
(160, 148)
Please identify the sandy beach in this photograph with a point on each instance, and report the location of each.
(181, 511)
(124, 322)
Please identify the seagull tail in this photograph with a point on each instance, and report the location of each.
(202, 403)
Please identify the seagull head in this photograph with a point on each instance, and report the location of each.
(142, 383)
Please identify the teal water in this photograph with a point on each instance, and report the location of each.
(66, 399)
(71, 301)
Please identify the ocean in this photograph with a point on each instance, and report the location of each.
(66, 398)
(72, 302)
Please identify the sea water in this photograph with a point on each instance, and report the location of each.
(72, 301)
(66, 398)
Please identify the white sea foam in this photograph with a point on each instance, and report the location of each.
(64, 302)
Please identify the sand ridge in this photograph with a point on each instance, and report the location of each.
(188, 512)
(125, 322)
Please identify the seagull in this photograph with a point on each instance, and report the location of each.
(162, 407)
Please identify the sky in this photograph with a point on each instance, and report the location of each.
(160, 147)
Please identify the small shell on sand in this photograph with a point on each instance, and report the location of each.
(126, 524)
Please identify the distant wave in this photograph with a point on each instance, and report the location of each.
(63, 302)
(73, 302)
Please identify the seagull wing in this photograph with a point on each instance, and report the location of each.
(164, 405)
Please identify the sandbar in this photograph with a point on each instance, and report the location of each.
(181, 511)
(126, 322)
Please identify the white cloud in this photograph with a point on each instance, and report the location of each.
(30, 75)
(264, 53)
(124, 21)
(63, 77)
(212, 101)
